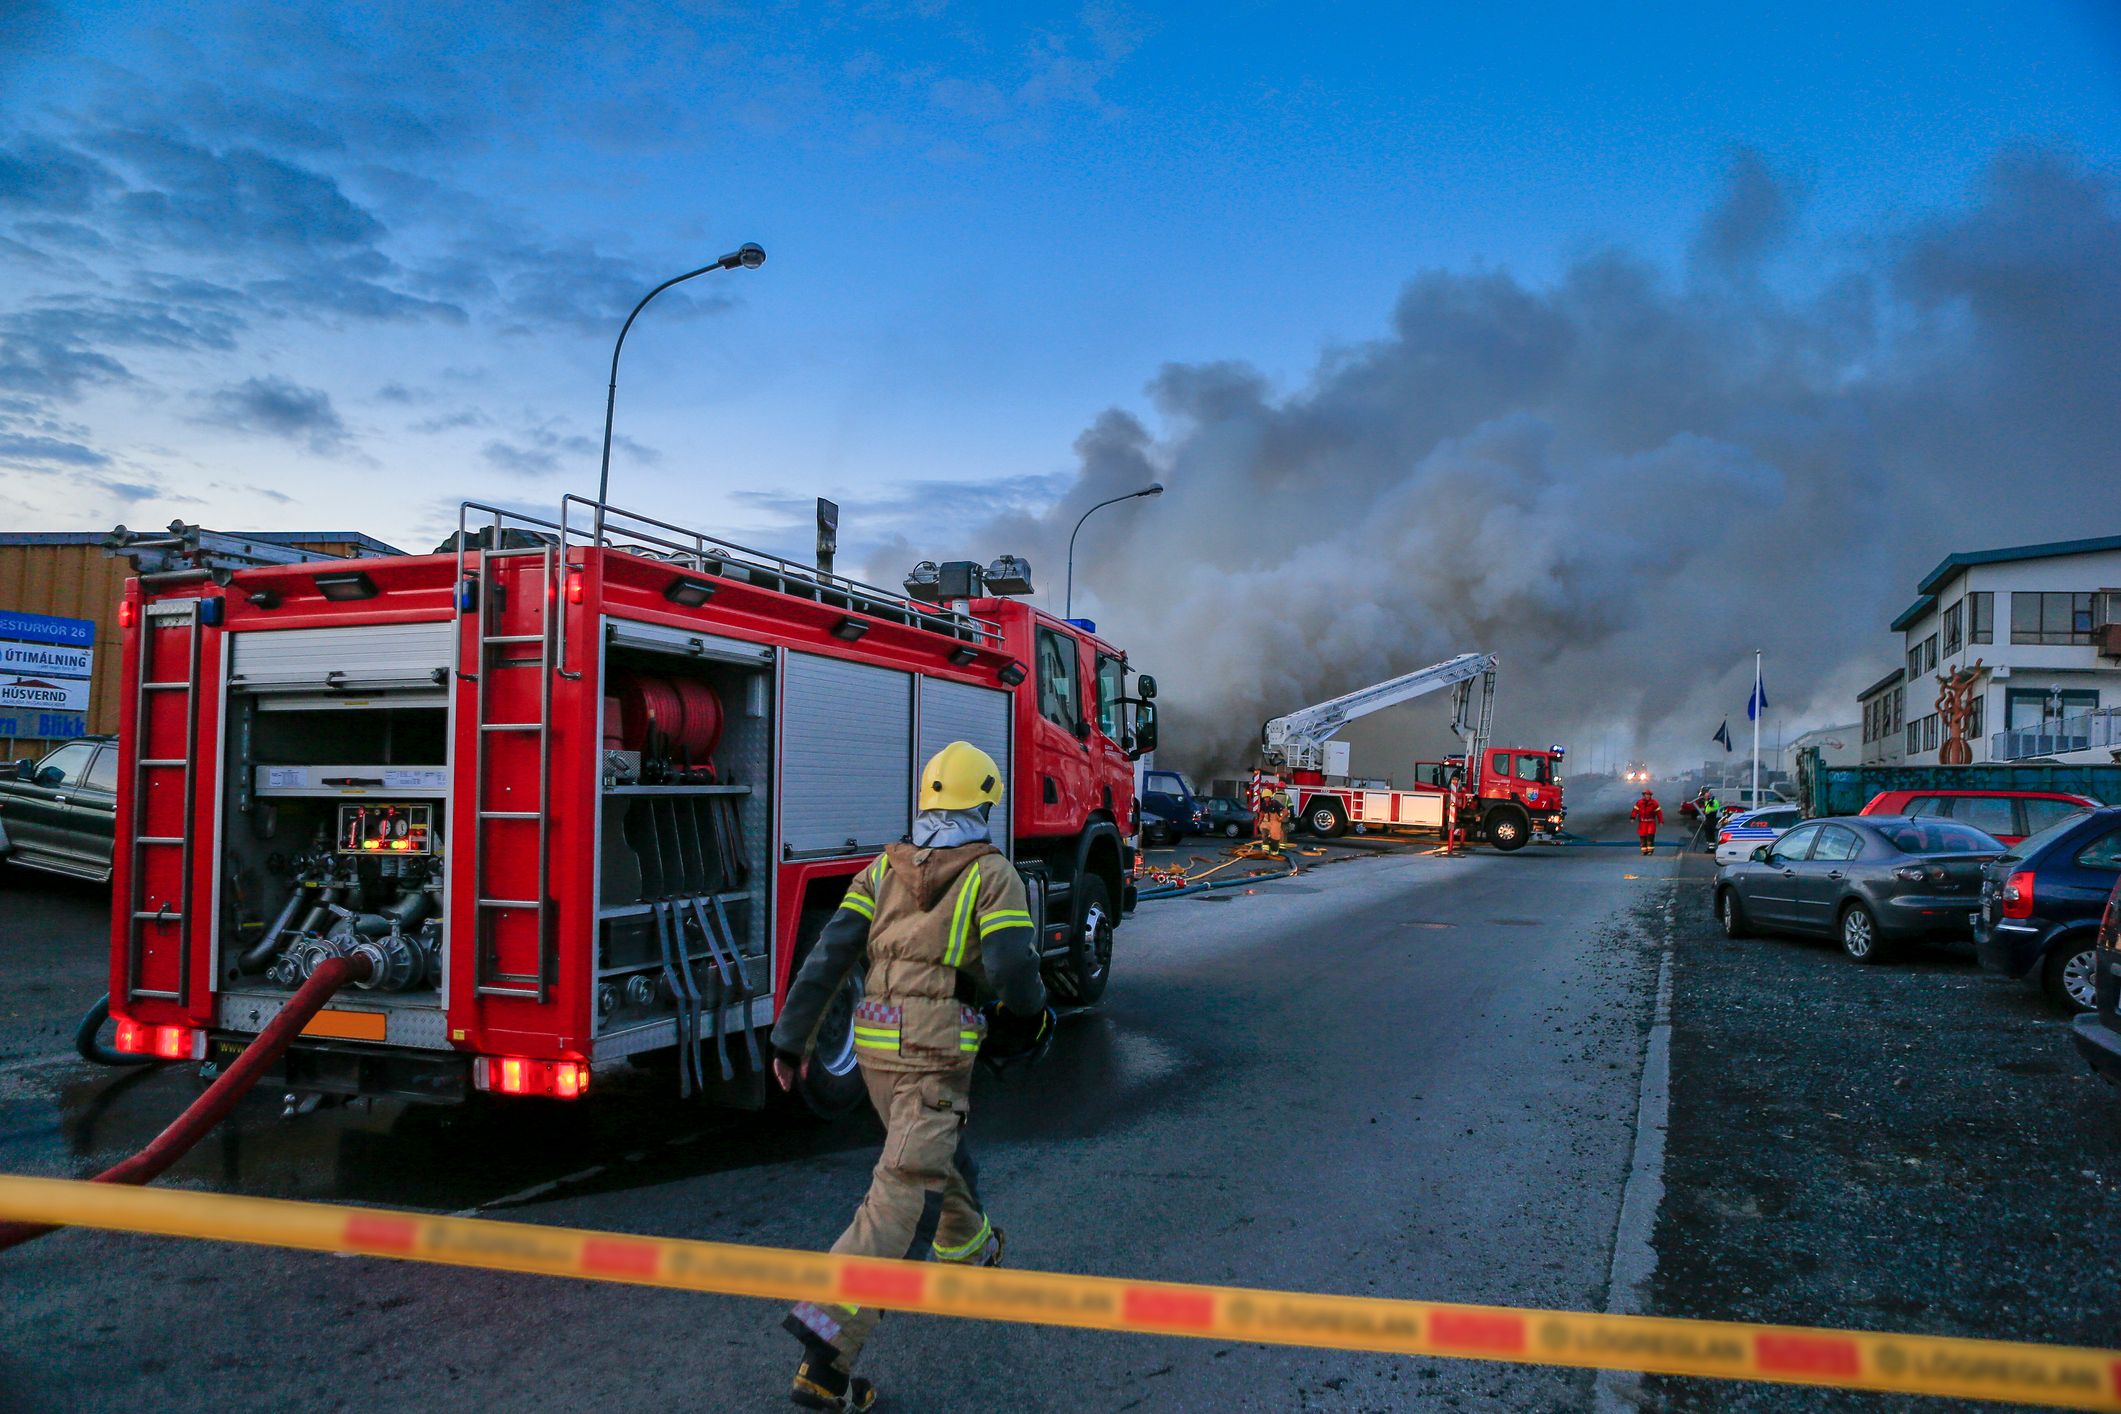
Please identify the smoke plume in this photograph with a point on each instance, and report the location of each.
(1622, 482)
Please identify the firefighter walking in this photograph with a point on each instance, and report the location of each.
(942, 926)
(1648, 816)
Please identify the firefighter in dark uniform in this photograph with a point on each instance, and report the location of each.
(943, 928)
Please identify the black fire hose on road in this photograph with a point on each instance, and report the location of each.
(88, 1039)
(214, 1104)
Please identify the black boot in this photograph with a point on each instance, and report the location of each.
(819, 1385)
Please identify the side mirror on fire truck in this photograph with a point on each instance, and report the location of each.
(1146, 687)
(1144, 731)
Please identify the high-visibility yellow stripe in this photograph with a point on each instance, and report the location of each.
(965, 1249)
(892, 1031)
(2057, 1376)
(961, 919)
(876, 870)
(1007, 918)
(857, 904)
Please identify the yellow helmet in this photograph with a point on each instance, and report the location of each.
(959, 777)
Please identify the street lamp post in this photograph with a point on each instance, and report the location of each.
(1154, 488)
(750, 256)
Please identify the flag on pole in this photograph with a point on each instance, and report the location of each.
(1723, 734)
(1757, 703)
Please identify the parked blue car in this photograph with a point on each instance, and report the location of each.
(2040, 906)
(1170, 795)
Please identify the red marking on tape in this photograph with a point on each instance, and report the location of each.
(1149, 1307)
(1477, 1330)
(866, 1283)
(1807, 1355)
(618, 1258)
(2116, 1372)
(382, 1234)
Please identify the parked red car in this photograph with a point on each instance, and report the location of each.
(2007, 815)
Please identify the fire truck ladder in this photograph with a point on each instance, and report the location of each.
(156, 752)
(501, 652)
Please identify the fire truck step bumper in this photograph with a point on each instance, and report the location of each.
(337, 1068)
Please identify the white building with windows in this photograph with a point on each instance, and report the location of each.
(2044, 623)
(1883, 706)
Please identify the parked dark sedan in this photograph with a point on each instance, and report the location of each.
(2098, 1034)
(1223, 815)
(59, 813)
(1868, 881)
(2040, 906)
(1157, 828)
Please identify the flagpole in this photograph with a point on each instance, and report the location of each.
(1756, 706)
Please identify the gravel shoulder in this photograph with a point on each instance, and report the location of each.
(1912, 1147)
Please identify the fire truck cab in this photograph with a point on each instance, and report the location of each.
(583, 791)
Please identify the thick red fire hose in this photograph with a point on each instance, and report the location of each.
(220, 1097)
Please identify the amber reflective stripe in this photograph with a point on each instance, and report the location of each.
(961, 919)
(1003, 918)
(2056, 1376)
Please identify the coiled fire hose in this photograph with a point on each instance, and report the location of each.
(214, 1104)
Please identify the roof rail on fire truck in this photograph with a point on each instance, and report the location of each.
(634, 532)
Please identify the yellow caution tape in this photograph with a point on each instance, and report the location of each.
(2062, 1377)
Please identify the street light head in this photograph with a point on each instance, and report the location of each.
(750, 255)
(1154, 488)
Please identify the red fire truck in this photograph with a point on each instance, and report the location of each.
(1512, 795)
(581, 790)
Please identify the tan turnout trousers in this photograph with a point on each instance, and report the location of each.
(923, 1195)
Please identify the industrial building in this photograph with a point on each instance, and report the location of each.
(59, 593)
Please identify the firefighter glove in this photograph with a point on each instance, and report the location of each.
(1013, 1038)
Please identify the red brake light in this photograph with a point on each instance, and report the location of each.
(2018, 895)
(519, 1075)
(574, 586)
(1723, 837)
(128, 613)
(136, 1038)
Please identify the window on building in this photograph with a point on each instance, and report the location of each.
(2053, 619)
(1914, 737)
(1914, 662)
(2025, 708)
(1899, 709)
(1929, 732)
(1953, 617)
(1980, 617)
(1058, 701)
(1976, 718)
(1929, 654)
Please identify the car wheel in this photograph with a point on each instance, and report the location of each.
(1859, 935)
(2071, 977)
(1231, 830)
(1731, 914)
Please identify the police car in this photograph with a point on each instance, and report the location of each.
(1742, 834)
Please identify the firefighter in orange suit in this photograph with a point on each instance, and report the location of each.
(1648, 816)
(942, 927)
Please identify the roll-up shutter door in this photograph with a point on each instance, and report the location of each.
(846, 757)
(956, 711)
(367, 658)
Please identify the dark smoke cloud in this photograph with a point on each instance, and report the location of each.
(1622, 482)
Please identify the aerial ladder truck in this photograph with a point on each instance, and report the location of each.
(1504, 795)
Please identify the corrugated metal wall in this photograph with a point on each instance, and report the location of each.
(73, 582)
(81, 582)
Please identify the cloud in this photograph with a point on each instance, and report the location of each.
(1621, 481)
(539, 451)
(275, 407)
(233, 197)
(44, 177)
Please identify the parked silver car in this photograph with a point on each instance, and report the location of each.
(1869, 881)
(59, 813)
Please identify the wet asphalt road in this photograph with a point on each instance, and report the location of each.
(1399, 1074)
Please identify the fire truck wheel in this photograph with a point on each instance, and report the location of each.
(831, 1084)
(1326, 820)
(1082, 977)
(1507, 828)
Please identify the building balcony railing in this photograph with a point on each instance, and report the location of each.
(2078, 731)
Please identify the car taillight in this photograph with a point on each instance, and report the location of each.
(2018, 895)
(520, 1075)
(1723, 837)
(138, 1038)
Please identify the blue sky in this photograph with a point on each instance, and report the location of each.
(371, 262)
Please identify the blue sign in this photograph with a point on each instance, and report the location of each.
(45, 628)
(42, 726)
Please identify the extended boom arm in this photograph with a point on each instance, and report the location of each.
(1297, 741)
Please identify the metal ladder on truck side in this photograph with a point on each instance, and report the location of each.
(501, 652)
(157, 754)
